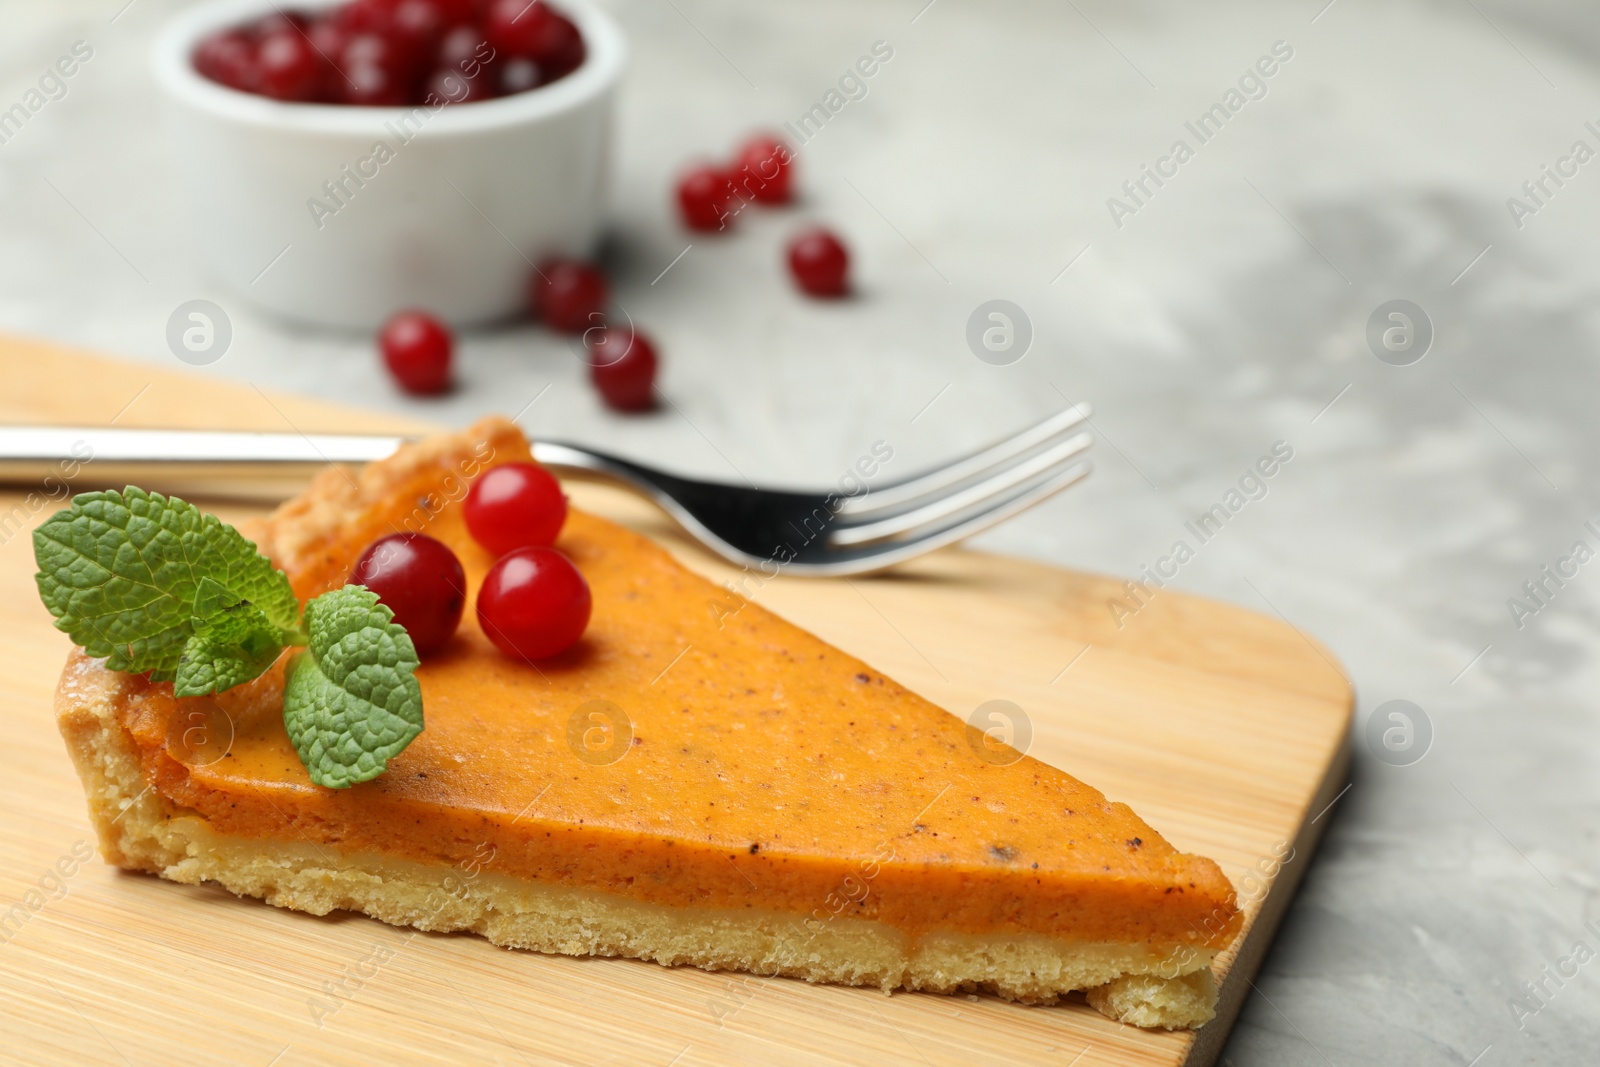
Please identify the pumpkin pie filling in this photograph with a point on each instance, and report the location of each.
(683, 755)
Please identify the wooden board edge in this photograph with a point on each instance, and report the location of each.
(132, 393)
(1213, 1037)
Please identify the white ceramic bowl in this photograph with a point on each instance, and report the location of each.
(448, 219)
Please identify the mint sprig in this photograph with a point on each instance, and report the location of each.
(352, 702)
(122, 573)
(156, 586)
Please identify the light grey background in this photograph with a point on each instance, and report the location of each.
(1228, 314)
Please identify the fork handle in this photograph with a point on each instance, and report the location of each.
(222, 463)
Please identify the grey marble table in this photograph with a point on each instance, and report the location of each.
(1219, 313)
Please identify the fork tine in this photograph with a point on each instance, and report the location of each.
(890, 555)
(951, 504)
(951, 474)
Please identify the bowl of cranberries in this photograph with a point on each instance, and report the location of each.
(342, 159)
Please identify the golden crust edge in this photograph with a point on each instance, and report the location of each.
(341, 495)
(139, 829)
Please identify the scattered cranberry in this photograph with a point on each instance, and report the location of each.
(288, 67)
(765, 170)
(569, 295)
(704, 196)
(515, 505)
(421, 581)
(819, 263)
(623, 367)
(417, 349)
(534, 604)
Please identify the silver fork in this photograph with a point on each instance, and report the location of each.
(807, 533)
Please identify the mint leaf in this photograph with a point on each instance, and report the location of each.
(352, 703)
(233, 642)
(121, 573)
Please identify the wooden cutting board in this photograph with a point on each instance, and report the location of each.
(1227, 730)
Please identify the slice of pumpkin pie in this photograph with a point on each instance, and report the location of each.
(687, 785)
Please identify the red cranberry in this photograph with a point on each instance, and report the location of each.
(704, 195)
(765, 170)
(367, 85)
(417, 349)
(327, 40)
(569, 295)
(365, 16)
(517, 27)
(421, 581)
(377, 36)
(455, 87)
(819, 263)
(327, 37)
(515, 505)
(373, 71)
(562, 51)
(289, 69)
(372, 50)
(465, 49)
(280, 22)
(418, 24)
(229, 59)
(517, 75)
(534, 604)
(623, 367)
(456, 12)
(534, 31)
